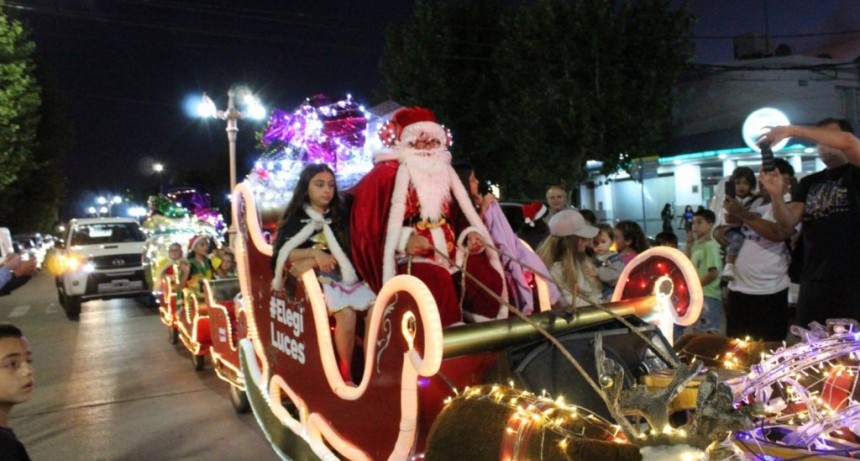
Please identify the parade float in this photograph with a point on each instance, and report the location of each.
(174, 219)
(600, 382)
(805, 394)
(226, 328)
(411, 366)
(318, 131)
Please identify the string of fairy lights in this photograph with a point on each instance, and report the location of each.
(320, 130)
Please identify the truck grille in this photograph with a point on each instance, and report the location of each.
(117, 261)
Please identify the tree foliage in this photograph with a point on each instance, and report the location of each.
(33, 202)
(34, 134)
(19, 100)
(534, 93)
(442, 60)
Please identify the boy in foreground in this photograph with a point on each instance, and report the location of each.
(16, 386)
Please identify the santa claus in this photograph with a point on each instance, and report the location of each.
(411, 214)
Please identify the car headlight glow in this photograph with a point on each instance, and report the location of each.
(70, 263)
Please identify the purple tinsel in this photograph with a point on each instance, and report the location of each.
(321, 130)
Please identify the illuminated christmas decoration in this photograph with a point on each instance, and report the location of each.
(524, 426)
(198, 205)
(319, 131)
(176, 218)
(806, 391)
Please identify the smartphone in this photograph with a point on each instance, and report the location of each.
(730, 188)
(767, 160)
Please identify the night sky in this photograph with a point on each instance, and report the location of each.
(127, 66)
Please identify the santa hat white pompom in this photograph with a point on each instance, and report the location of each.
(409, 123)
(532, 212)
(194, 241)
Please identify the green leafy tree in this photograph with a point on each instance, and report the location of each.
(442, 60)
(536, 92)
(33, 202)
(19, 100)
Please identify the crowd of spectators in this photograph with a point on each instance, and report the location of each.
(766, 233)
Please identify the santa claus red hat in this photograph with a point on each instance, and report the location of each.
(194, 241)
(408, 123)
(532, 212)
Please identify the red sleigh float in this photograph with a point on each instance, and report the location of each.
(410, 364)
(207, 325)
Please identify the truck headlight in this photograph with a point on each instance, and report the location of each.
(71, 262)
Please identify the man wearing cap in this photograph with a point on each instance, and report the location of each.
(411, 213)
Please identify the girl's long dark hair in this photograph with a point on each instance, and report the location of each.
(631, 231)
(300, 196)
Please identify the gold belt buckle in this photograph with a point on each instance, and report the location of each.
(424, 225)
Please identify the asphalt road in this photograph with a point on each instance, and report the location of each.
(109, 386)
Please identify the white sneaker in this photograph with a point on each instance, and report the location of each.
(729, 272)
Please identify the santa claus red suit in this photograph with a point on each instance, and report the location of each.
(412, 205)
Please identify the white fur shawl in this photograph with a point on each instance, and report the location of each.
(313, 225)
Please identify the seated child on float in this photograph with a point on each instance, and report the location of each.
(227, 265)
(311, 235)
(196, 266)
(166, 265)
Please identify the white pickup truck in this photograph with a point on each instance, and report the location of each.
(101, 258)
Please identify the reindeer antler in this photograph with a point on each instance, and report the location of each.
(653, 406)
(611, 376)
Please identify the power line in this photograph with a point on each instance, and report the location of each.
(203, 32)
(256, 14)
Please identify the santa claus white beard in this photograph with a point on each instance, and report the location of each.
(429, 174)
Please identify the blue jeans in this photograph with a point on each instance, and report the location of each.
(736, 241)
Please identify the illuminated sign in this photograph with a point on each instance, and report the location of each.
(758, 122)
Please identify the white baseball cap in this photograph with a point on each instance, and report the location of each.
(570, 222)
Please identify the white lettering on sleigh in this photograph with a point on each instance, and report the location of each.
(295, 323)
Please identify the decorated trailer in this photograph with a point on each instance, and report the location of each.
(412, 366)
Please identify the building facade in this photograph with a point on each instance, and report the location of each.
(711, 104)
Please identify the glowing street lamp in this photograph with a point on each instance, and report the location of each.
(158, 168)
(104, 205)
(251, 109)
(137, 212)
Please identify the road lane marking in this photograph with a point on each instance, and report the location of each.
(19, 311)
(52, 308)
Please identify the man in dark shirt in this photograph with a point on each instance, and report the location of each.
(827, 203)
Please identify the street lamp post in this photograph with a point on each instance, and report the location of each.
(101, 208)
(252, 109)
(104, 205)
(231, 115)
(116, 200)
(159, 170)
